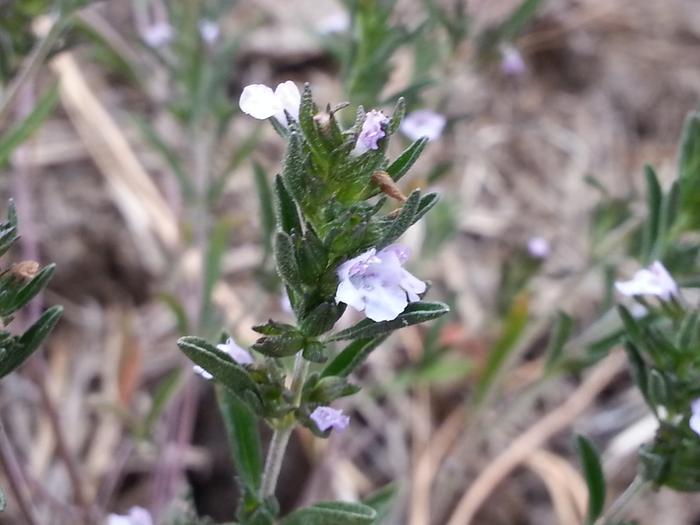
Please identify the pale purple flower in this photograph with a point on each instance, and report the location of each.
(238, 354)
(654, 280)
(136, 516)
(337, 22)
(372, 130)
(260, 102)
(538, 247)
(376, 283)
(158, 34)
(327, 417)
(209, 30)
(695, 416)
(512, 63)
(423, 123)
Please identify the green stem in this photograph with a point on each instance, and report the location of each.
(31, 66)
(631, 493)
(281, 435)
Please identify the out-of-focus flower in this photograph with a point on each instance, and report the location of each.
(136, 516)
(337, 22)
(376, 283)
(327, 417)
(654, 280)
(372, 130)
(512, 63)
(238, 354)
(208, 30)
(695, 416)
(260, 102)
(423, 123)
(158, 34)
(538, 247)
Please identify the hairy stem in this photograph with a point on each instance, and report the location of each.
(280, 438)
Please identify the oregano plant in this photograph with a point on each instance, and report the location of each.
(339, 214)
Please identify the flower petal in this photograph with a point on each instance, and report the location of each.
(347, 293)
(288, 95)
(385, 303)
(259, 101)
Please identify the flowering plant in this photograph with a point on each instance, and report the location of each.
(334, 246)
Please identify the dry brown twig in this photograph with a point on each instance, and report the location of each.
(534, 438)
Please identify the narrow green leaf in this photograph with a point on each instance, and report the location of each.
(216, 248)
(397, 116)
(382, 500)
(220, 365)
(28, 291)
(651, 227)
(178, 310)
(560, 335)
(286, 209)
(400, 224)
(244, 439)
(332, 513)
(23, 130)
(638, 369)
(267, 206)
(164, 392)
(285, 260)
(28, 342)
(403, 162)
(595, 480)
(513, 327)
(169, 155)
(689, 168)
(516, 22)
(425, 205)
(352, 356)
(414, 313)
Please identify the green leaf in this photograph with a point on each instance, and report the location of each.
(425, 205)
(325, 390)
(169, 155)
(8, 229)
(638, 369)
(651, 227)
(244, 439)
(279, 345)
(294, 172)
(332, 513)
(164, 392)
(286, 208)
(595, 480)
(322, 318)
(560, 335)
(26, 344)
(221, 366)
(689, 168)
(28, 291)
(267, 207)
(382, 500)
(397, 116)
(352, 356)
(513, 327)
(515, 23)
(400, 224)
(285, 260)
(178, 310)
(218, 241)
(414, 313)
(23, 130)
(403, 162)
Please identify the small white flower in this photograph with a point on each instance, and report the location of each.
(376, 283)
(338, 22)
(260, 102)
(208, 30)
(372, 130)
(512, 63)
(327, 417)
(695, 416)
(158, 34)
(238, 354)
(136, 516)
(423, 123)
(654, 280)
(538, 248)
(201, 372)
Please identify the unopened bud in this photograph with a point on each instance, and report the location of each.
(387, 185)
